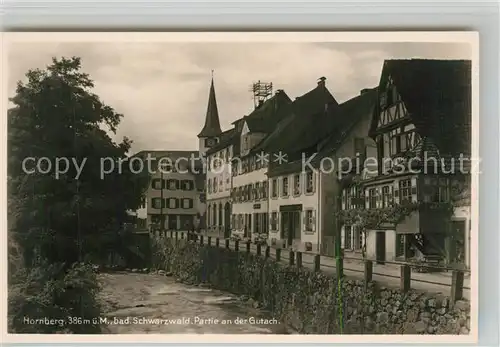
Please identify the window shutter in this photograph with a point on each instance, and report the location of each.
(396, 192)
(314, 178)
(342, 237)
(367, 199)
(277, 221)
(314, 220)
(304, 220)
(344, 196)
(155, 202)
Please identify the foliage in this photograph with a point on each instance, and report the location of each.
(395, 214)
(49, 291)
(57, 116)
(55, 222)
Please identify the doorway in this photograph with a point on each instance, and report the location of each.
(227, 220)
(290, 226)
(380, 247)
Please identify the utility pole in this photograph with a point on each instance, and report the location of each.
(162, 217)
(339, 264)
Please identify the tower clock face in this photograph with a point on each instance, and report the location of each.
(210, 142)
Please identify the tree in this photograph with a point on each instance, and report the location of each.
(67, 218)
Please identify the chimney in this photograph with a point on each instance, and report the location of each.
(321, 81)
(365, 90)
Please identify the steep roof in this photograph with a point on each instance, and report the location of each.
(226, 139)
(261, 120)
(315, 100)
(265, 117)
(308, 121)
(437, 95)
(350, 113)
(212, 123)
(332, 131)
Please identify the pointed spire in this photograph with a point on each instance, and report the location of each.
(212, 123)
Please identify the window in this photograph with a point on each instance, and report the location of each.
(274, 221)
(395, 141)
(383, 100)
(443, 190)
(258, 191)
(436, 190)
(284, 190)
(347, 237)
(351, 195)
(400, 245)
(221, 183)
(172, 184)
(309, 182)
(187, 203)
(274, 188)
(309, 222)
(156, 184)
(187, 185)
(157, 203)
(358, 239)
(252, 164)
(265, 189)
(404, 190)
(215, 184)
(296, 185)
(156, 219)
(245, 141)
(386, 196)
(172, 203)
(372, 195)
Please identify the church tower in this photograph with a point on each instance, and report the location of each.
(210, 134)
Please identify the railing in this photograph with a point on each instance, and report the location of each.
(402, 276)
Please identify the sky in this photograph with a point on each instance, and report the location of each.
(162, 88)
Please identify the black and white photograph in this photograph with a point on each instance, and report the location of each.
(272, 184)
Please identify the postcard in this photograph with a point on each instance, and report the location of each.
(235, 187)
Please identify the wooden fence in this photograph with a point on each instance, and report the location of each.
(452, 286)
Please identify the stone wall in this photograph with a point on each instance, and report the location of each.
(307, 301)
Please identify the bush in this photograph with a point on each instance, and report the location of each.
(52, 298)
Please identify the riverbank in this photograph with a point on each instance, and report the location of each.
(308, 301)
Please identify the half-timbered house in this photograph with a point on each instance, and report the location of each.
(411, 207)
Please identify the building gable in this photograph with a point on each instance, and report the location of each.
(434, 94)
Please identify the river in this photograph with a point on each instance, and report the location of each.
(139, 303)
